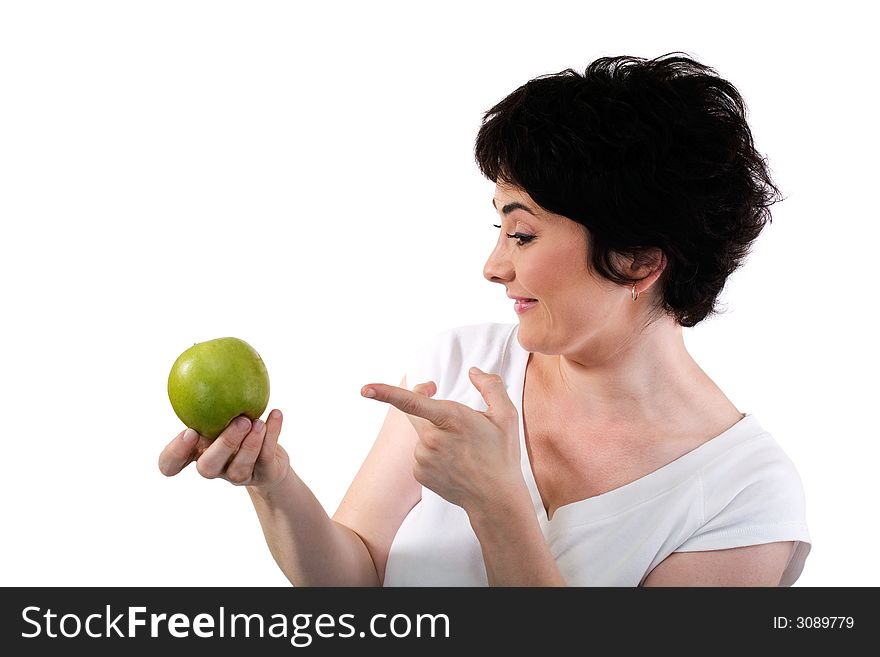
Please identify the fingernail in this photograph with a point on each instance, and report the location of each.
(275, 415)
(258, 425)
(190, 435)
(369, 393)
(475, 370)
(243, 423)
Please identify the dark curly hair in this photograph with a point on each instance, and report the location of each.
(644, 154)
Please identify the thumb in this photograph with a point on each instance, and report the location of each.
(428, 389)
(492, 389)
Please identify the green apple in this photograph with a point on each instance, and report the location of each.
(213, 382)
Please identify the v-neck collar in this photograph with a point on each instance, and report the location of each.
(616, 500)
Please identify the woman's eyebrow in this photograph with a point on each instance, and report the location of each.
(510, 207)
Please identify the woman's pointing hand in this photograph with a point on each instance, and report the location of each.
(470, 458)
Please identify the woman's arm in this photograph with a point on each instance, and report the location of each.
(384, 490)
(752, 565)
(472, 459)
(514, 548)
(350, 549)
(310, 548)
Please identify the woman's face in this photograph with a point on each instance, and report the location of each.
(547, 262)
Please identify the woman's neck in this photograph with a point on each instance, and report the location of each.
(642, 378)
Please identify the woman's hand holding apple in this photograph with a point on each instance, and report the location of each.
(244, 454)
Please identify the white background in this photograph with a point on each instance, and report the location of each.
(301, 175)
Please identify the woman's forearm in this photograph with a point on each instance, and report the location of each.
(514, 548)
(309, 547)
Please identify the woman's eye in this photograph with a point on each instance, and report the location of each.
(521, 238)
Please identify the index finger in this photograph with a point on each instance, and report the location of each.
(408, 402)
(178, 453)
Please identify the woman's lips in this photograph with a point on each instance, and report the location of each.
(521, 306)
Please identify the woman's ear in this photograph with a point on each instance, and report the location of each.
(646, 263)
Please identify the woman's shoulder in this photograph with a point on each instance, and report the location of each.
(752, 494)
(753, 470)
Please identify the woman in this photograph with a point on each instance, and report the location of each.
(583, 445)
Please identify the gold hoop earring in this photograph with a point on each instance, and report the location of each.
(635, 295)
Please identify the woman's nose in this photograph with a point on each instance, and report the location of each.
(498, 268)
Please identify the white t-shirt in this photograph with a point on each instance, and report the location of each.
(739, 488)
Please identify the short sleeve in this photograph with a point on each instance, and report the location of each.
(430, 359)
(446, 356)
(755, 499)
